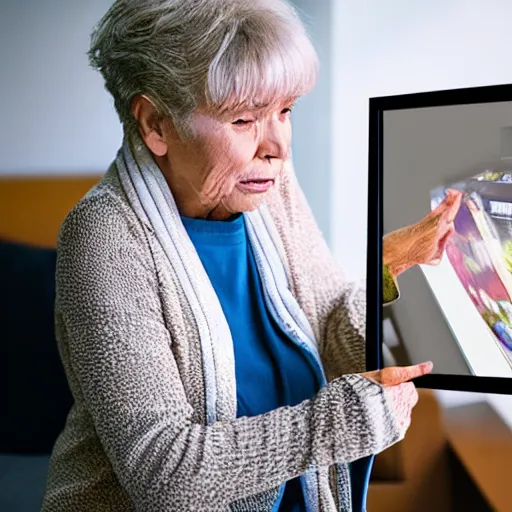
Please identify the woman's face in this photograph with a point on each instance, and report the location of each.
(227, 165)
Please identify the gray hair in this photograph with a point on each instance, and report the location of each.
(225, 55)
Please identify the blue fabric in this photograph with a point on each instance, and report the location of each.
(271, 371)
(360, 471)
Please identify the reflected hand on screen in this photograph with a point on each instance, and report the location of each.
(424, 242)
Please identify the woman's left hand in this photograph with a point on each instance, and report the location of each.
(422, 243)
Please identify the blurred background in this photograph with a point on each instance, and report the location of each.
(58, 121)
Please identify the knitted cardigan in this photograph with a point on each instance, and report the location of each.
(138, 436)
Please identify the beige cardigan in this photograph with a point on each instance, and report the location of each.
(137, 437)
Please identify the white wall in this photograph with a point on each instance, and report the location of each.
(312, 136)
(397, 47)
(57, 117)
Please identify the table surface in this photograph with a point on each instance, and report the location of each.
(483, 444)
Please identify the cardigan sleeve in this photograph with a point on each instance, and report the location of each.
(117, 349)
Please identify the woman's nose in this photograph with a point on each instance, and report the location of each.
(274, 142)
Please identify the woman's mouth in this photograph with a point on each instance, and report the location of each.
(256, 186)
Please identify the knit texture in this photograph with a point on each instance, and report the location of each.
(136, 437)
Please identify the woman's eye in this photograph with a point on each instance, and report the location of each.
(286, 110)
(241, 122)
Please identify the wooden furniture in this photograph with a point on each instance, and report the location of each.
(32, 208)
(413, 475)
(482, 442)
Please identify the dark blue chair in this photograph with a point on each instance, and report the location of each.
(36, 397)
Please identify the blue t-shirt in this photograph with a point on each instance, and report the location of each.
(271, 371)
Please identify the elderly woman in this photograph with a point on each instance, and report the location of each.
(213, 348)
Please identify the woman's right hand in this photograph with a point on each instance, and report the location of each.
(401, 392)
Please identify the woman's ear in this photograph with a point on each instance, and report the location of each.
(151, 125)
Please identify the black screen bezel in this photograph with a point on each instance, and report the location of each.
(377, 107)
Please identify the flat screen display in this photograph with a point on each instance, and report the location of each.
(455, 311)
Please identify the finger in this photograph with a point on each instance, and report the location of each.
(449, 197)
(398, 375)
(454, 207)
(431, 222)
(445, 212)
(447, 216)
(439, 210)
(454, 194)
(450, 206)
(444, 240)
(375, 376)
(441, 246)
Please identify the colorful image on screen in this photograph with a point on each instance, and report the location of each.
(480, 250)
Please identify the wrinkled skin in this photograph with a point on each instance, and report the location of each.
(207, 169)
(422, 243)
